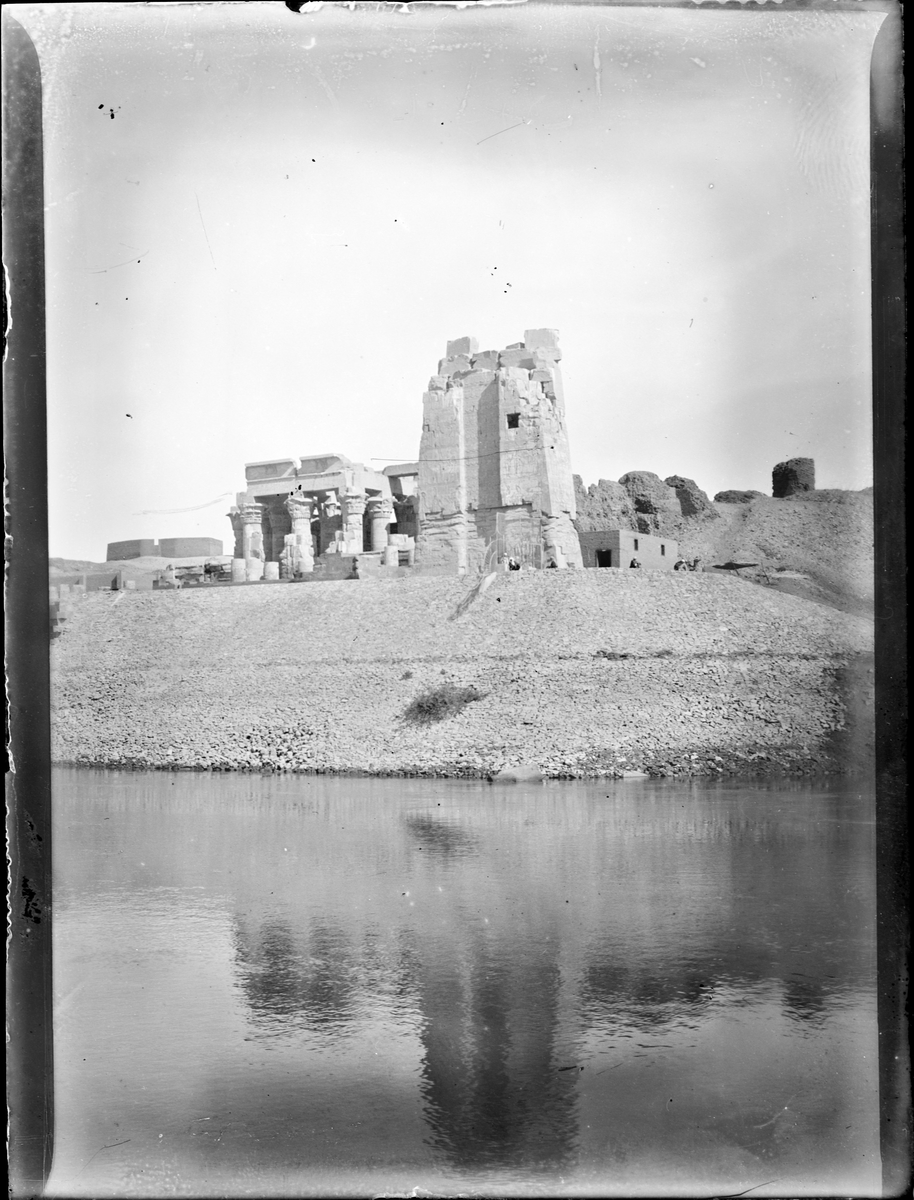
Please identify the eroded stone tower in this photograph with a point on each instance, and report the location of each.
(494, 468)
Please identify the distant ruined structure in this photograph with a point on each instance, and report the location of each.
(792, 477)
(494, 467)
(188, 547)
(493, 482)
(492, 488)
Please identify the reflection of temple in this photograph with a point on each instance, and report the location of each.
(323, 508)
(494, 1093)
(538, 939)
(489, 1019)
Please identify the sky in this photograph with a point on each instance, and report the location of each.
(263, 227)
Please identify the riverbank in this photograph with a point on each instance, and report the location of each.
(587, 673)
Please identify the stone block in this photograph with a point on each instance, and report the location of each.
(486, 361)
(519, 375)
(477, 377)
(253, 569)
(454, 363)
(464, 345)
(525, 773)
(437, 383)
(516, 358)
(515, 346)
(541, 339)
(542, 375)
(239, 570)
(545, 358)
(271, 571)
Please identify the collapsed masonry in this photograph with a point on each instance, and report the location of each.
(494, 468)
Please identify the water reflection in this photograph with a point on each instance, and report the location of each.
(447, 840)
(492, 1090)
(281, 979)
(462, 983)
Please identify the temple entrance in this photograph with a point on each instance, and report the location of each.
(604, 558)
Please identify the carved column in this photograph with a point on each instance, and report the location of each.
(234, 515)
(330, 524)
(353, 512)
(251, 516)
(380, 513)
(407, 515)
(301, 558)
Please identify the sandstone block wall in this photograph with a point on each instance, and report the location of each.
(494, 464)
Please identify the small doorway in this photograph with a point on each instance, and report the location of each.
(604, 558)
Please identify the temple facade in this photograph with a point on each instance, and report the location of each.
(294, 512)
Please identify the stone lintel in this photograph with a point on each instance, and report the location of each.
(516, 357)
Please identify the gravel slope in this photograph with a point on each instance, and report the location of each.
(722, 676)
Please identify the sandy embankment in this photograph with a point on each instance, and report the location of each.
(722, 676)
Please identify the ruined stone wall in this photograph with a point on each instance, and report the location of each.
(494, 463)
(794, 476)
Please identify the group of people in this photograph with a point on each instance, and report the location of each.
(513, 565)
(680, 564)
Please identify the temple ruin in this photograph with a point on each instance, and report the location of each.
(494, 468)
(493, 482)
(324, 507)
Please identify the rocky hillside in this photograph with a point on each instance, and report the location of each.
(814, 544)
(580, 672)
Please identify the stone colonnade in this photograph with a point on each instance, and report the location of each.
(341, 532)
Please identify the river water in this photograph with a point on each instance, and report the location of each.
(292, 985)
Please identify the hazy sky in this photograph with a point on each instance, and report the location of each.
(265, 249)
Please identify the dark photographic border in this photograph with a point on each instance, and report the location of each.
(29, 1009)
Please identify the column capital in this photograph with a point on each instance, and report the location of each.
(330, 506)
(299, 507)
(380, 506)
(354, 504)
(252, 513)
